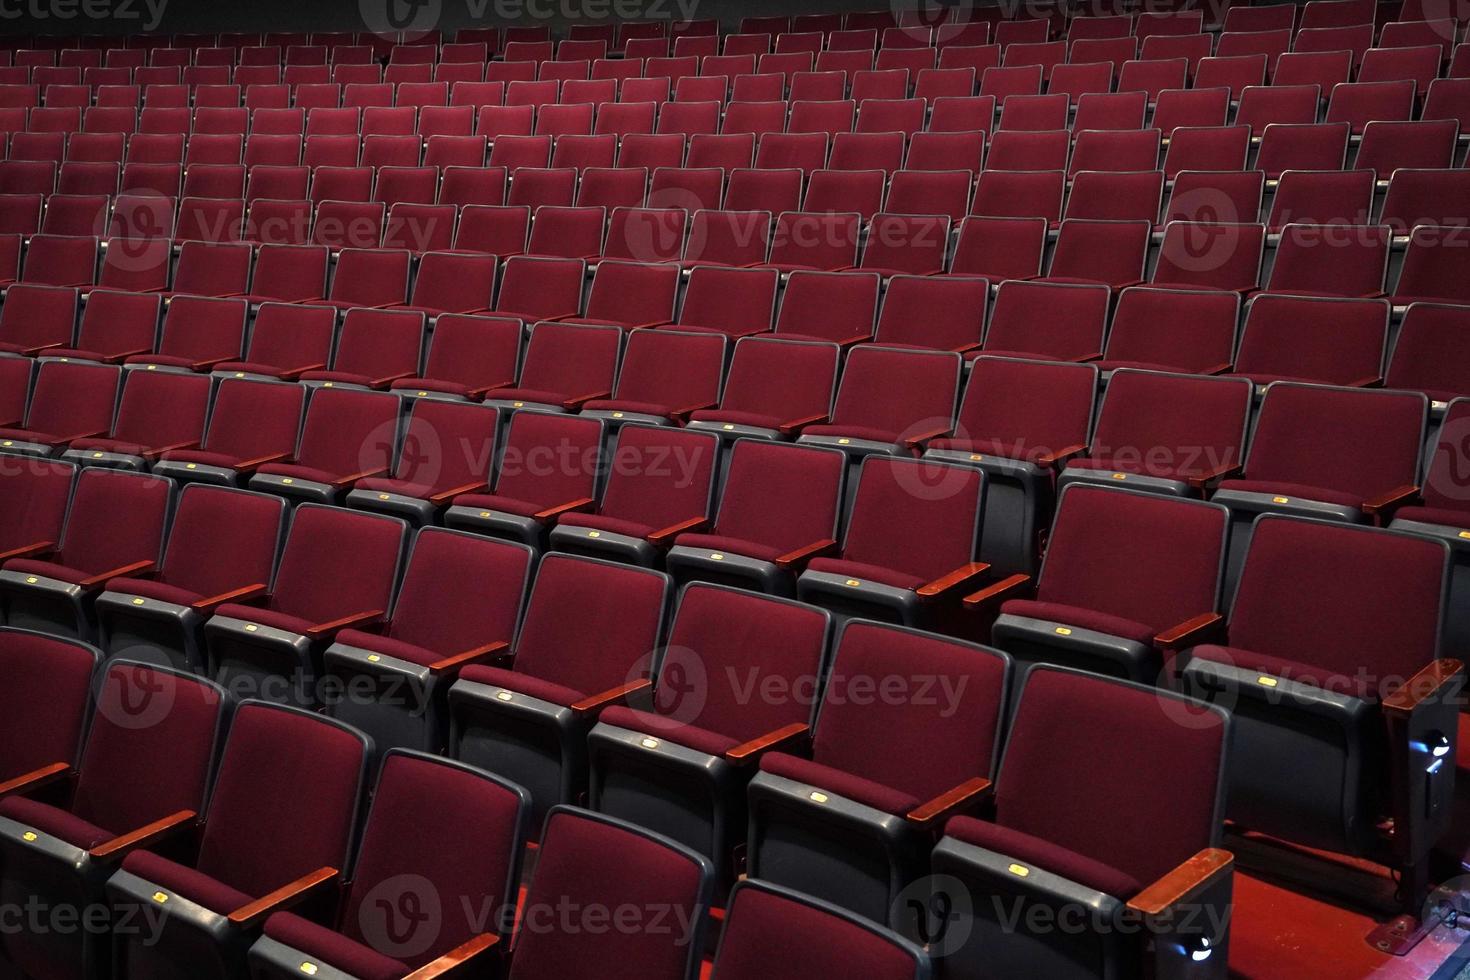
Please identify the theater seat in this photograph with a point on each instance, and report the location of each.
(681, 766)
(470, 862)
(123, 799)
(589, 860)
(1335, 679)
(1116, 625)
(779, 509)
(222, 547)
(661, 481)
(910, 545)
(774, 387)
(1135, 846)
(336, 572)
(115, 526)
(457, 605)
(770, 930)
(853, 824)
(347, 435)
(253, 861)
(50, 687)
(252, 423)
(526, 714)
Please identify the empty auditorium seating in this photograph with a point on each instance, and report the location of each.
(348, 434)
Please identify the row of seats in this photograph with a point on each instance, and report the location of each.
(201, 845)
(643, 760)
(1352, 454)
(1072, 321)
(1328, 259)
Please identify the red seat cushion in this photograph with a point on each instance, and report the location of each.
(431, 384)
(153, 589)
(995, 447)
(698, 739)
(265, 617)
(1292, 670)
(404, 488)
(1143, 467)
(54, 821)
(250, 367)
(852, 432)
(333, 948)
(838, 781)
(195, 886)
(494, 501)
(46, 569)
(623, 405)
(109, 446)
(736, 546)
(858, 570)
(340, 377)
(26, 435)
(1293, 490)
(202, 457)
(524, 683)
(1087, 619)
(1043, 854)
(295, 472)
(602, 522)
(1434, 515)
(753, 419)
(529, 395)
(397, 649)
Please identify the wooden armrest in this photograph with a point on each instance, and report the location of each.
(551, 513)
(81, 435)
(806, 553)
(456, 958)
(460, 659)
(1370, 381)
(1184, 883)
(597, 701)
(253, 913)
(1199, 480)
(857, 338)
(490, 387)
(440, 499)
(795, 426)
(959, 578)
(917, 442)
(572, 404)
(354, 477)
(356, 619)
(132, 568)
(243, 594)
(29, 550)
(688, 410)
(33, 351)
(751, 750)
(144, 836)
(1396, 497)
(965, 348)
(1087, 357)
(1422, 686)
(248, 465)
(292, 374)
(387, 380)
(35, 779)
(997, 591)
(942, 806)
(118, 358)
(1061, 455)
(1217, 368)
(1187, 633)
(664, 536)
(209, 364)
(152, 454)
